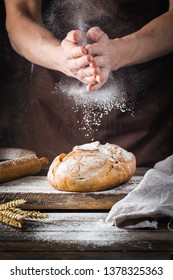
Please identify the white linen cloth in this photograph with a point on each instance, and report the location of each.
(150, 200)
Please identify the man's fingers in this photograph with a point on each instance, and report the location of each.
(93, 87)
(74, 36)
(88, 71)
(71, 50)
(76, 64)
(95, 49)
(70, 47)
(94, 34)
(77, 51)
(100, 80)
(102, 77)
(100, 61)
(89, 80)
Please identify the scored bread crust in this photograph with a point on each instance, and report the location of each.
(92, 167)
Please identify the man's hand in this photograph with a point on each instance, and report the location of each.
(102, 51)
(77, 62)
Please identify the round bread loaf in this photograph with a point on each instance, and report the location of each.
(92, 167)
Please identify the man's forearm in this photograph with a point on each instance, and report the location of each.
(34, 42)
(28, 36)
(152, 41)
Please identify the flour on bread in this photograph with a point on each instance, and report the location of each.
(107, 149)
(92, 167)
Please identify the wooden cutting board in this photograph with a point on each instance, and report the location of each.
(39, 194)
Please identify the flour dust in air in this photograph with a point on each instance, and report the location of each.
(95, 105)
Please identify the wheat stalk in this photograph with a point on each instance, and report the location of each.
(12, 204)
(36, 215)
(12, 215)
(10, 222)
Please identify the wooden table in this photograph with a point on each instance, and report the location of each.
(76, 227)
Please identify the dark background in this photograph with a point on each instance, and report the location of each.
(14, 90)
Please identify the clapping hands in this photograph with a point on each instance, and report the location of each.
(92, 63)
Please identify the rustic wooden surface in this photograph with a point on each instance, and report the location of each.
(38, 193)
(67, 235)
(77, 234)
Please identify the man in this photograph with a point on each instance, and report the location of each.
(133, 33)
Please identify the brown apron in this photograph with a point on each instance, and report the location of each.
(56, 119)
